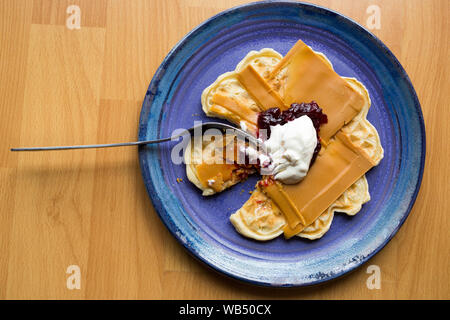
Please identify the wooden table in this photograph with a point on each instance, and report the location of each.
(90, 208)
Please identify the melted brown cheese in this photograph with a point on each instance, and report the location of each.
(214, 175)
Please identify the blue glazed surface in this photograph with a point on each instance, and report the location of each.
(202, 224)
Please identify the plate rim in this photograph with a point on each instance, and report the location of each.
(156, 201)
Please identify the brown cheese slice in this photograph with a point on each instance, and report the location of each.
(310, 78)
(334, 171)
(232, 117)
(259, 89)
(237, 108)
(275, 191)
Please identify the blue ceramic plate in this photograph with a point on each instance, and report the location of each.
(202, 224)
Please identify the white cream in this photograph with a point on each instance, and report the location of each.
(254, 155)
(243, 126)
(291, 147)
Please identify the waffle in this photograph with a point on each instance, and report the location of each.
(260, 218)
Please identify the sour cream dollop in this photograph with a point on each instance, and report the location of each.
(291, 147)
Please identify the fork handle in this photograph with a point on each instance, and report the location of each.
(91, 146)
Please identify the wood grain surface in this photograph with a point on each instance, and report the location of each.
(90, 208)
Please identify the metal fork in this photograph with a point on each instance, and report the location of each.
(203, 127)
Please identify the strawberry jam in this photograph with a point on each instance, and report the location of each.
(274, 116)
